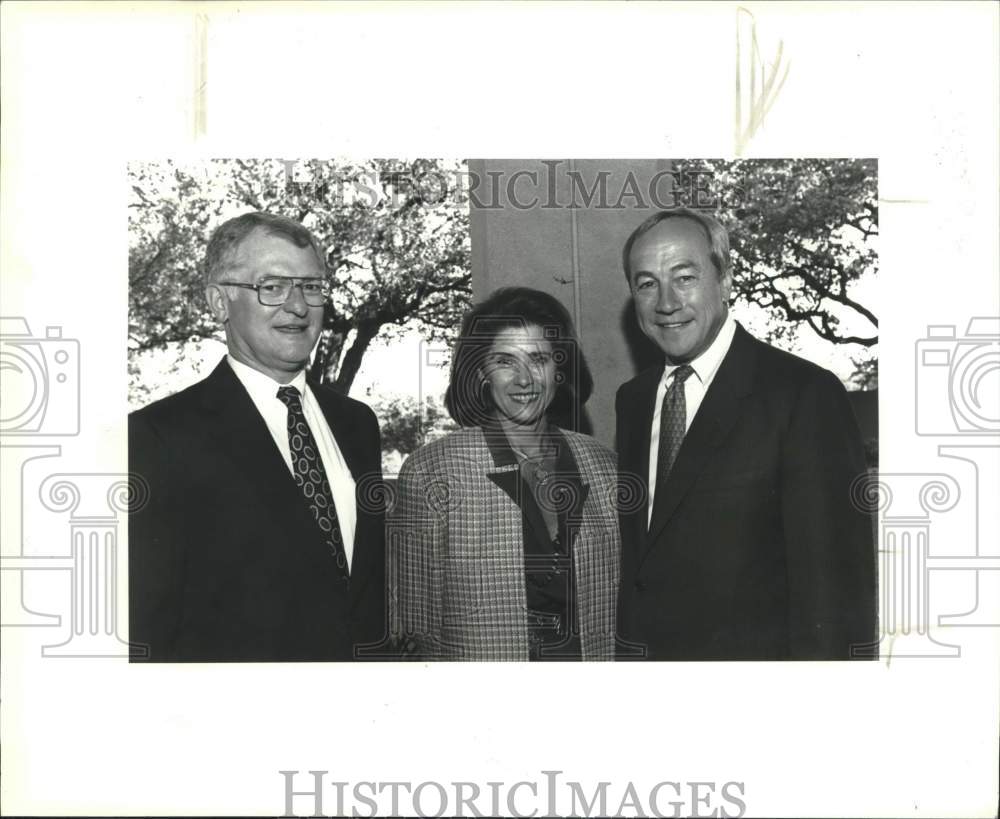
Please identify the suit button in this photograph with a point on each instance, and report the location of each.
(640, 586)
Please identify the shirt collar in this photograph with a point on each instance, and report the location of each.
(261, 386)
(708, 362)
(504, 455)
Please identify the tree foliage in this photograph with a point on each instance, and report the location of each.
(395, 233)
(803, 234)
(407, 423)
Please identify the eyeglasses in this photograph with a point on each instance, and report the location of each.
(275, 292)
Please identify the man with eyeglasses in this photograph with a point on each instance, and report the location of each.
(262, 539)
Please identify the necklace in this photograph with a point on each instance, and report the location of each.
(536, 468)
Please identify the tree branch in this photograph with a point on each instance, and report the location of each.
(825, 292)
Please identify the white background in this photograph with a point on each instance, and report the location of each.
(86, 87)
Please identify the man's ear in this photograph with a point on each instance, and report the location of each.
(726, 283)
(218, 302)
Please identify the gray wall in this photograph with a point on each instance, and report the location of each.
(573, 253)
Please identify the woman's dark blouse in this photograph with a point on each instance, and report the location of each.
(553, 621)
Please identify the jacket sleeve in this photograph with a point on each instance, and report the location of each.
(155, 559)
(417, 531)
(829, 539)
(370, 627)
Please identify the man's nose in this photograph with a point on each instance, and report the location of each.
(668, 301)
(296, 301)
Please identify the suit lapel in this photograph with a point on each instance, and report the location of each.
(564, 484)
(571, 476)
(716, 416)
(351, 445)
(508, 478)
(248, 442)
(636, 449)
(579, 492)
(506, 475)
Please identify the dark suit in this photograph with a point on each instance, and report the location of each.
(225, 560)
(755, 550)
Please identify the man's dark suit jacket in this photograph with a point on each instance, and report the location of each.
(225, 560)
(755, 551)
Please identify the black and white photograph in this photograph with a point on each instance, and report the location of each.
(523, 520)
(583, 409)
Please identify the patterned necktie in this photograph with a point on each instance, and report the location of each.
(673, 422)
(311, 477)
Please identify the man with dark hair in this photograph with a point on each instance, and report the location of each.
(262, 539)
(503, 537)
(749, 546)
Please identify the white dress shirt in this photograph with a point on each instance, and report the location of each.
(263, 392)
(705, 367)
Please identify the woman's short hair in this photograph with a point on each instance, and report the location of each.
(466, 399)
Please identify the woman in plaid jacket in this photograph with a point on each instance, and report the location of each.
(503, 536)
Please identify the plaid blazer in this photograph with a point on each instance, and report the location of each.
(457, 587)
